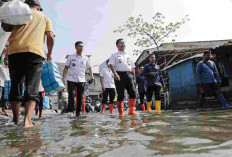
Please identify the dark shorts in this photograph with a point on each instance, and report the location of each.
(25, 69)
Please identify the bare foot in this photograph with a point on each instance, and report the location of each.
(16, 121)
(28, 124)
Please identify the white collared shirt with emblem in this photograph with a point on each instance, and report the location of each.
(108, 78)
(122, 62)
(77, 67)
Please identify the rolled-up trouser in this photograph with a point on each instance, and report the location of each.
(25, 67)
(151, 90)
(108, 92)
(80, 90)
(126, 82)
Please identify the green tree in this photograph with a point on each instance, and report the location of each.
(150, 34)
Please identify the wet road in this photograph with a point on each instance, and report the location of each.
(170, 133)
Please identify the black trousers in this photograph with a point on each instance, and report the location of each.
(108, 92)
(71, 94)
(141, 96)
(25, 67)
(151, 90)
(209, 89)
(126, 82)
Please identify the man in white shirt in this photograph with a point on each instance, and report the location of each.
(4, 75)
(123, 68)
(108, 87)
(75, 69)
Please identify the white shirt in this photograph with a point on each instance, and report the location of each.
(4, 75)
(122, 62)
(77, 66)
(108, 78)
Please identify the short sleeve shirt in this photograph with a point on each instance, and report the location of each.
(122, 62)
(108, 78)
(77, 66)
(30, 37)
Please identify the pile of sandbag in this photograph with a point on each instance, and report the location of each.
(51, 79)
(15, 13)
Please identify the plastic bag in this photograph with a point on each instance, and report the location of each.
(15, 13)
(3, 39)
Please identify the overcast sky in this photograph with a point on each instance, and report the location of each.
(93, 22)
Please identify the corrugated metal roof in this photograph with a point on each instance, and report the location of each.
(181, 61)
(182, 50)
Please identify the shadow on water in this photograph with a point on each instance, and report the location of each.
(150, 133)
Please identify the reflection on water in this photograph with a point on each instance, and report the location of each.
(151, 133)
(21, 141)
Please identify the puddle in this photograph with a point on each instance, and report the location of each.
(179, 133)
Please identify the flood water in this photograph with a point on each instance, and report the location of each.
(169, 133)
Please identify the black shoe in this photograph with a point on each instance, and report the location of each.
(79, 116)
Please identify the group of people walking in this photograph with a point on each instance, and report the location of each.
(120, 74)
(26, 56)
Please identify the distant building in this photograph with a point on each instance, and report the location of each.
(169, 54)
(178, 63)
